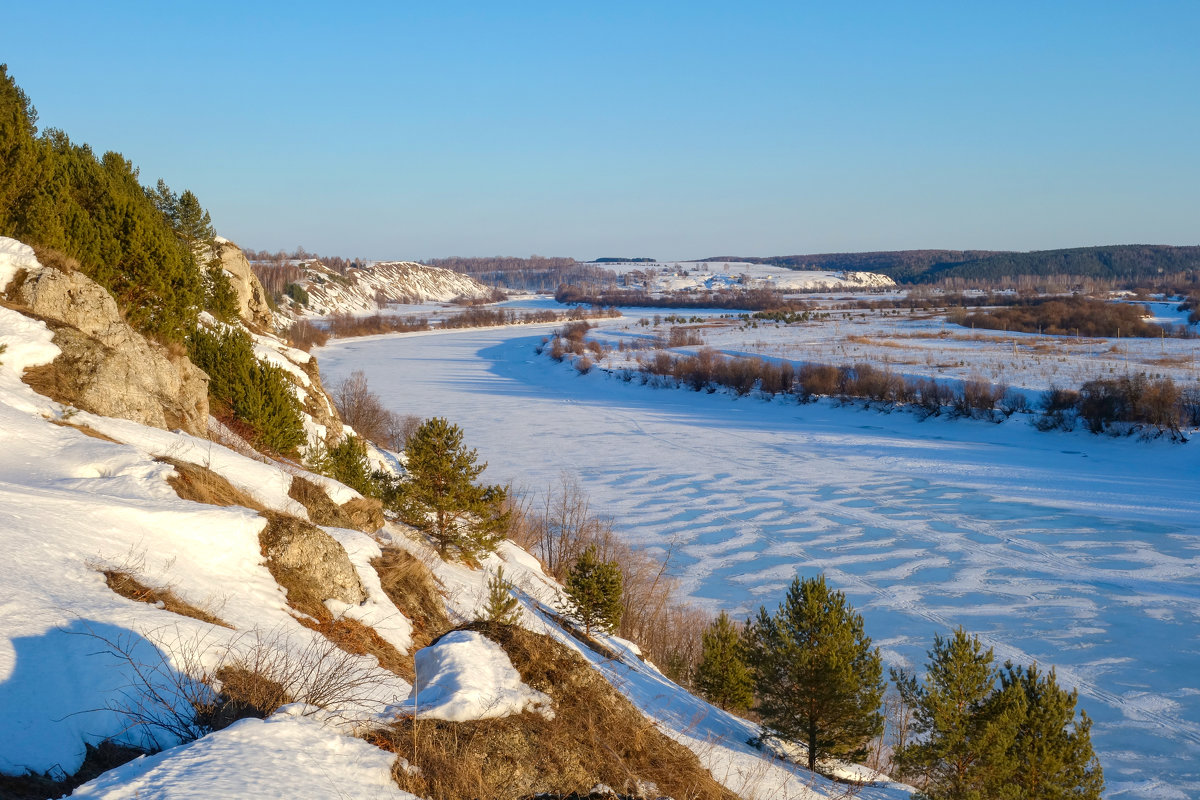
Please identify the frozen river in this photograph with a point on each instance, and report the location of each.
(1070, 550)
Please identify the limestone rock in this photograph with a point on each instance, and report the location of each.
(309, 563)
(252, 298)
(106, 367)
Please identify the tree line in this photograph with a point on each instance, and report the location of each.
(1064, 316)
(742, 299)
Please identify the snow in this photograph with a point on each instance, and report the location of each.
(1068, 549)
(14, 257)
(676, 276)
(72, 506)
(288, 756)
(466, 676)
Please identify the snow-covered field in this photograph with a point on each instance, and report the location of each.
(674, 276)
(1075, 551)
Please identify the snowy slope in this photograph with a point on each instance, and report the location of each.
(372, 287)
(81, 494)
(677, 276)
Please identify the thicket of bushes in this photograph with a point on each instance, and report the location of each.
(1064, 316)
(744, 299)
(1121, 405)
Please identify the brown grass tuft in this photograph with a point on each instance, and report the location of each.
(358, 639)
(596, 736)
(86, 430)
(413, 589)
(129, 587)
(202, 485)
(49, 257)
(321, 510)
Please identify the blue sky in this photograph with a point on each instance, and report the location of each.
(670, 130)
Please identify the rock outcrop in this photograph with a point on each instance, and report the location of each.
(309, 564)
(252, 298)
(106, 367)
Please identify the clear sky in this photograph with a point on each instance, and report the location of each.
(669, 130)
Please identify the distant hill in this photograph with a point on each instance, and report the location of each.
(1114, 262)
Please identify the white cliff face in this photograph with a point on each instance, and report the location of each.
(371, 288)
(252, 299)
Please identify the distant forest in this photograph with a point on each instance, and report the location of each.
(1125, 264)
(533, 274)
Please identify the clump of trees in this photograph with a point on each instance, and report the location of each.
(1064, 316)
(743, 299)
(256, 396)
(59, 195)
(1122, 405)
(980, 731)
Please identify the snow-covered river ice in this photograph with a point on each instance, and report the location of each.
(1071, 550)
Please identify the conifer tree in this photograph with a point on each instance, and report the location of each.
(722, 675)
(818, 681)
(594, 589)
(441, 497)
(19, 167)
(1051, 757)
(966, 726)
(502, 605)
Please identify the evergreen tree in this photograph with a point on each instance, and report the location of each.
(256, 393)
(594, 589)
(19, 168)
(441, 496)
(818, 681)
(722, 675)
(966, 726)
(1051, 757)
(502, 605)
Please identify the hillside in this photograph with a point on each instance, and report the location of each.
(371, 288)
(1116, 262)
(218, 610)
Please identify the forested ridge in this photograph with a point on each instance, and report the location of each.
(1126, 262)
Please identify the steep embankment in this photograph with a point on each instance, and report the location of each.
(373, 287)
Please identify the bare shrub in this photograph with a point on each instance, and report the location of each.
(584, 365)
(303, 335)
(363, 410)
(180, 688)
(819, 379)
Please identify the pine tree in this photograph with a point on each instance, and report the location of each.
(594, 589)
(1051, 757)
(502, 605)
(19, 168)
(722, 675)
(818, 681)
(441, 496)
(965, 726)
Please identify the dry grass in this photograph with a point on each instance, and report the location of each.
(875, 341)
(85, 430)
(411, 586)
(97, 760)
(361, 640)
(596, 736)
(129, 587)
(321, 509)
(202, 485)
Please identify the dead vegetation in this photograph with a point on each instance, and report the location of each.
(321, 510)
(86, 430)
(202, 485)
(129, 587)
(412, 588)
(55, 783)
(596, 736)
